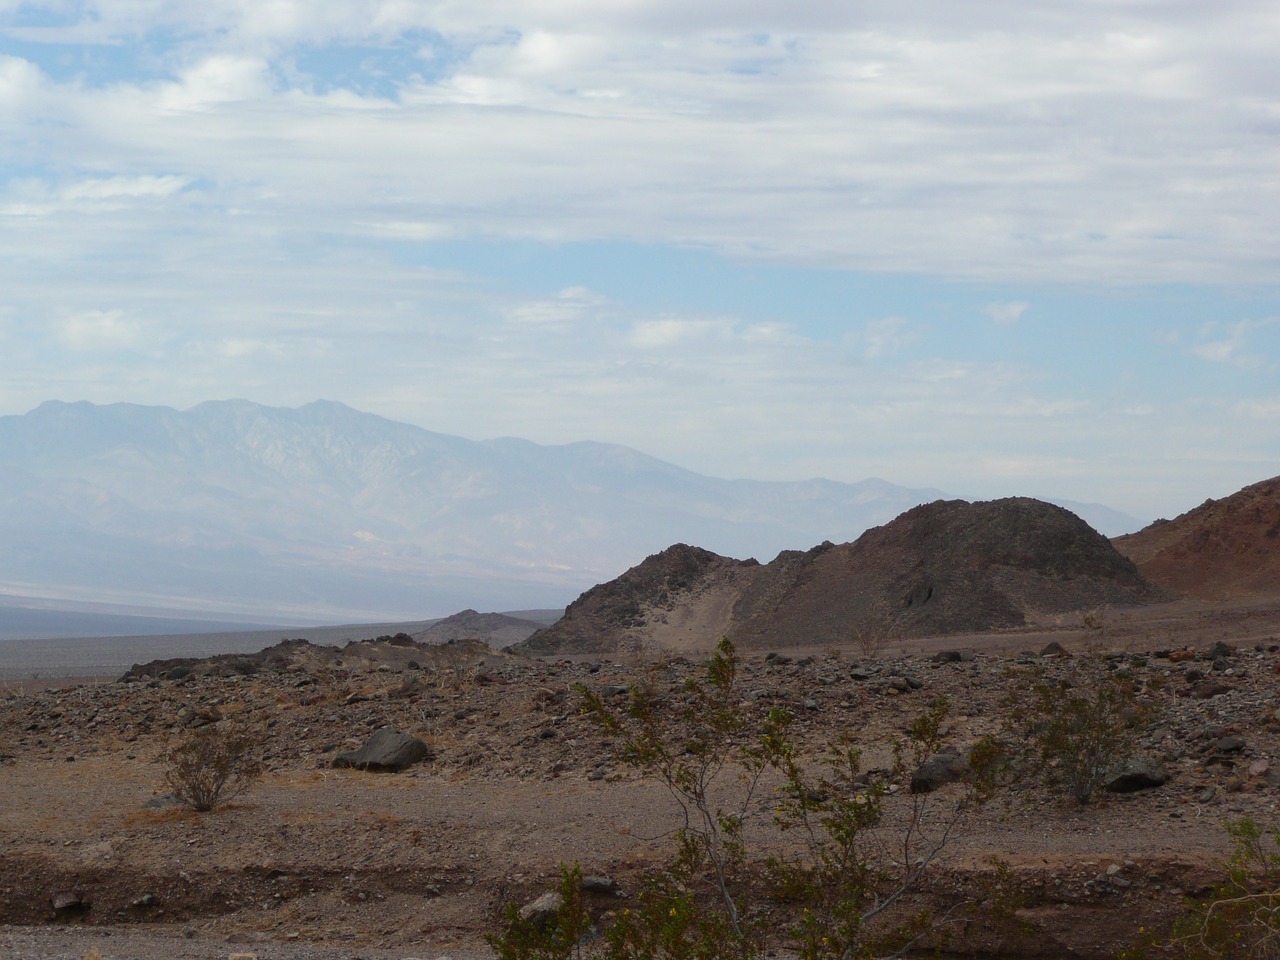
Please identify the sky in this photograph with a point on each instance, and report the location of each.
(993, 247)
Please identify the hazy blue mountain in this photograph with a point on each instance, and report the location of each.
(326, 513)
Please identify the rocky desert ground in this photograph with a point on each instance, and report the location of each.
(318, 862)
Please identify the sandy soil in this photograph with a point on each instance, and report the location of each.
(321, 863)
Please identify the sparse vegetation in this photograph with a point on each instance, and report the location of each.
(1075, 728)
(1240, 918)
(875, 630)
(210, 766)
(713, 899)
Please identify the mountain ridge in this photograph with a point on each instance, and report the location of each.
(328, 513)
(940, 568)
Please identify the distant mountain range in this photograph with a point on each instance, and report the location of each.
(324, 513)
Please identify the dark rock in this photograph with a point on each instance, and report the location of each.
(1054, 649)
(1209, 689)
(947, 656)
(594, 884)
(387, 750)
(1230, 744)
(937, 771)
(1220, 651)
(176, 673)
(1141, 773)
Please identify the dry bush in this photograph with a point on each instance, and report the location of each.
(210, 766)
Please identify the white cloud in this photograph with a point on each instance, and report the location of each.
(216, 80)
(885, 337)
(409, 230)
(1008, 312)
(114, 188)
(569, 305)
(1259, 408)
(664, 333)
(1099, 142)
(1233, 347)
(99, 330)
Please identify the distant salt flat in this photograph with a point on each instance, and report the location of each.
(112, 656)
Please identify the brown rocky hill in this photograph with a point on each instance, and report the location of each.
(943, 568)
(1226, 549)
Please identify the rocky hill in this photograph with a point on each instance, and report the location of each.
(497, 629)
(1224, 549)
(942, 568)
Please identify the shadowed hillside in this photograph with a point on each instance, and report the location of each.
(942, 568)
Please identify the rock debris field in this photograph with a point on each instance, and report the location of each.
(317, 861)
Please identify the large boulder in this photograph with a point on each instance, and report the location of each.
(939, 770)
(1140, 773)
(387, 750)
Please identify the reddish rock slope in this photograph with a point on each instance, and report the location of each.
(1225, 549)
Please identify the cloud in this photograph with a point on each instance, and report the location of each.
(885, 337)
(664, 333)
(1113, 144)
(569, 305)
(1232, 348)
(99, 330)
(1006, 313)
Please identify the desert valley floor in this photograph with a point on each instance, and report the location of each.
(315, 862)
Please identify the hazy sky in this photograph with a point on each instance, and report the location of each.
(994, 247)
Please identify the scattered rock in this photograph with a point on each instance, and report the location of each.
(937, 771)
(68, 904)
(542, 910)
(1141, 773)
(387, 750)
(1208, 690)
(597, 884)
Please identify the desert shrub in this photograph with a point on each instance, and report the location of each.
(1076, 728)
(210, 766)
(714, 899)
(877, 627)
(1240, 918)
(556, 937)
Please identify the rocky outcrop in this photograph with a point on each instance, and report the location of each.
(948, 567)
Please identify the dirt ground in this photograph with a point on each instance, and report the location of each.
(316, 863)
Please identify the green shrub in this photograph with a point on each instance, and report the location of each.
(714, 899)
(1076, 729)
